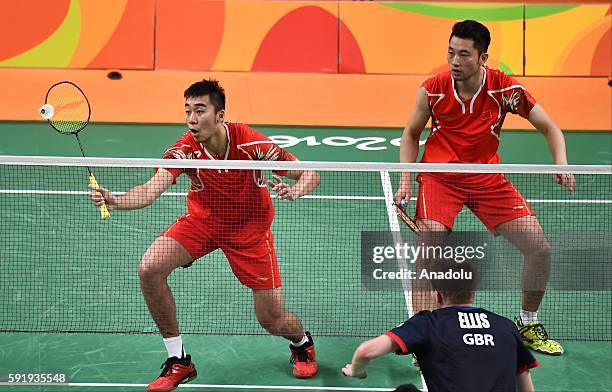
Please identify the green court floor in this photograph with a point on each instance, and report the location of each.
(234, 362)
(375, 145)
(257, 361)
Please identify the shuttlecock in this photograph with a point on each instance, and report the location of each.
(46, 111)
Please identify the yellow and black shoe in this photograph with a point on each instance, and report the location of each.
(536, 338)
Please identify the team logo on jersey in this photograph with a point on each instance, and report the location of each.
(507, 100)
(270, 155)
(262, 151)
(487, 115)
(179, 152)
(184, 152)
(511, 101)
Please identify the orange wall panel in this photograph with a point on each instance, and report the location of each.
(572, 42)
(297, 36)
(40, 21)
(287, 98)
(78, 34)
(131, 45)
(401, 38)
(188, 33)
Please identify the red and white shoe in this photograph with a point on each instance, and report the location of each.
(175, 371)
(304, 359)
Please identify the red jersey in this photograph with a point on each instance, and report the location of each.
(229, 197)
(467, 131)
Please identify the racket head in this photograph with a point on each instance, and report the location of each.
(70, 108)
(401, 213)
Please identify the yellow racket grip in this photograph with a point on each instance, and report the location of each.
(104, 213)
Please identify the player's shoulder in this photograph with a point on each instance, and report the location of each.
(499, 320)
(183, 148)
(419, 321)
(425, 316)
(498, 79)
(242, 133)
(236, 126)
(438, 83)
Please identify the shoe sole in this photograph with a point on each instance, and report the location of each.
(190, 377)
(303, 377)
(556, 354)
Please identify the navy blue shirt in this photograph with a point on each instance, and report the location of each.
(463, 348)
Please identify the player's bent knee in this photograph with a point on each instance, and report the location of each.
(542, 250)
(545, 249)
(151, 269)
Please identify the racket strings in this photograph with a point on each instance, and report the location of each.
(71, 108)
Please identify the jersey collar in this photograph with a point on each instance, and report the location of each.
(484, 80)
(227, 146)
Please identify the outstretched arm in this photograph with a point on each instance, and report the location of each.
(367, 352)
(138, 197)
(409, 146)
(556, 142)
(306, 182)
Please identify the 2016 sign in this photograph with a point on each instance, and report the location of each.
(370, 143)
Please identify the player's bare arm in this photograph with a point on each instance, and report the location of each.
(524, 382)
(556, 142)
(409, 146)
(366, 352)
(306, 182)
(138, 197)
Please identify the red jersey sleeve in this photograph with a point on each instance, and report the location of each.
(259, 147)
(182, 149)
(435, 88)
(515, 98)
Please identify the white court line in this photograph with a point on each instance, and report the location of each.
(208, 386)
(397, 238)
(320, 197)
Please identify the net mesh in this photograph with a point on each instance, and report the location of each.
(63, 269)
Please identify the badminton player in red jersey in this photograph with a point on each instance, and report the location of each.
(467, 106)
(226, 209)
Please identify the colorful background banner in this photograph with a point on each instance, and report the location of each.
(301, 36)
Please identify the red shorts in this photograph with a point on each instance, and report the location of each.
(491, 197)
(251, 257)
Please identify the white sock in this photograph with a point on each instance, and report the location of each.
(528, 317)
(301, 342)
(174, 345)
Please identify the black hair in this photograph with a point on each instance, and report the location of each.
(209, 87)
(477, 32)
(407, 388)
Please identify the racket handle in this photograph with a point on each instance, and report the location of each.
(104, 213)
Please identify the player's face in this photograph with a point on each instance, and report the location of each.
(463, 58)
(201, 117)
